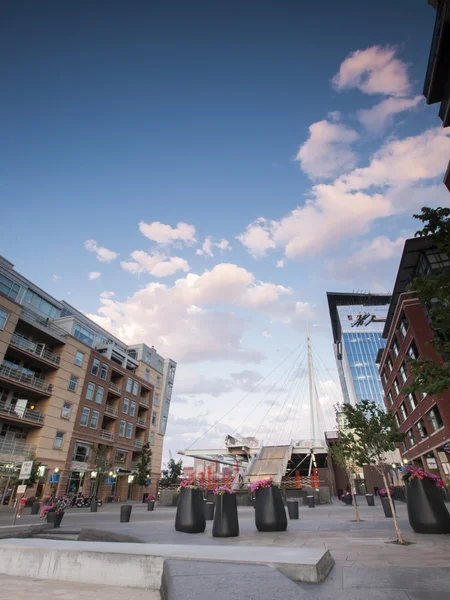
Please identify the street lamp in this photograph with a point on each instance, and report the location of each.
(56, 470)
(110, 473)
(93, 474)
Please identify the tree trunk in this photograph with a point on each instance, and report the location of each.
(400, 539)
(353, 491)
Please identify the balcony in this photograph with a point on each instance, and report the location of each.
(114, 388)
(15, 451)
(438, 61)
(28, 382)
(21, 414)
(134, 465)
(111, 412)
(120, 465)
(107, 435)
(38, 351)
(141, 422)
(144, 402)
(45, 325)
(138, 444)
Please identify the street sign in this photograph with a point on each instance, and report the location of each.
(25, 470)
(21, 489)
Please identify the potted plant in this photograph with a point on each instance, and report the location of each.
(226, 522)
(270, 514)
(53, 511)
(384, 495)
(427, 512)
(190, 516)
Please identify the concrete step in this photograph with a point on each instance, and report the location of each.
(54, 536)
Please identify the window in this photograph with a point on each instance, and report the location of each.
(40, 304)
(435, 419)
(412, 401)
(404, 326)
(153, 418)
(133, 354)
(104, 372)
(156, 399)
(410, 438)
(126, 406)
(73, 383)
(58, 441)
(122, 428)
(395, 348)
(90, 391)
(403, 372)
(99, 394)
(84, 417)
(81, 452)
(129, 430)
(148, 357)
(158, 381)
(152, 437)
(84, 335)
(8, 287)
(397, 420)
(79, 359)
(121, 458)
(420, 425)
(389, 364)
(135, 388)
(3, 318)
(403, 411)
(404, 447)
(390, 398)
(129, 384)
(132, 409)
(160, 365)
(94, 419)
(384, 377)
(147, 375)
(95, 367)
(413, 353)
(396, 387)
(66, 410)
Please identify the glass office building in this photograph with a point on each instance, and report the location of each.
(358, 321)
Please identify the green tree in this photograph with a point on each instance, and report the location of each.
(342, 459)
(367, 435)
(172, 474)
(433, 291)
(143, 466)
(34, 476)
(101, 465)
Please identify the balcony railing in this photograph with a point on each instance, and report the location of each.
(107, 435)
(32, 317)
(25, 414)
(120, 464)
(12, 450)
(37, 349)
(144, 402)
(115, 388)
(109, 410)
(138, 444)
(29, 380)
(134, 465)
(141, 421)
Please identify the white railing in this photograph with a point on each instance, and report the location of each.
(141, 421)
(106, 435)
(32, 317)
(32, 416)
(138, 444)
(15, 449)
(30, 380)
(109, 410)
(37, 349)
(115, 388)
(143, 401)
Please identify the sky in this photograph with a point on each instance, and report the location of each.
(198, 175)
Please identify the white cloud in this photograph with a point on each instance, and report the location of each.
(156, 264)
(107, 294)
(56, 277)
(256, 238)
(102, 253)
(327, 151)
(165, 234)
(190, 383)
(374, 70)
(375, 119)
(94, 275)
(209, 244)
(189, 321)
(265, 333)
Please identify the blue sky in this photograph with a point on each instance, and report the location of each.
(214, 114)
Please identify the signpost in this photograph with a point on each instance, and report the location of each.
(25, 473)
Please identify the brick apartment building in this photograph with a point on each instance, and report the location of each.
(68, 388)
(423, 418)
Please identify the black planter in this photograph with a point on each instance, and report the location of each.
(311, 501)
(35, 508)
(190, 512)
(226, 522)
(125, 513)
(94, 505)
(52, 517)
(347, 499)
(427, 512)
(150, 505)
(370, 500)
(209, 511)
(387, 507)
(293, 509)
(270, 514)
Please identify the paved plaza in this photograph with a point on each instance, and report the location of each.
(364, 559)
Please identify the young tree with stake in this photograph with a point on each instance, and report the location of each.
(341, 458)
